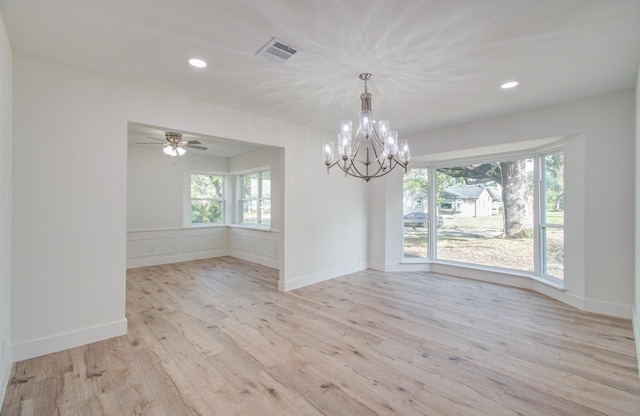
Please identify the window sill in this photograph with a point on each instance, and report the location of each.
(253, 228)
(204, 225)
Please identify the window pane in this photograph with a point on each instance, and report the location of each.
(250, 186)
(207, 198)
(206, 186)
(554, 188)
(554, 252)
(205, 211)
(416, 230)
(553, 224)
(265, 212)
(266, 185)
(250, 212)
(488, 214)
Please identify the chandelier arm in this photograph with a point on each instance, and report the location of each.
(352, 168)
(379, 169)
(330, 165)
(367, 168)
(367, 177)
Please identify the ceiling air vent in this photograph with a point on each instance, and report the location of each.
(278, 51)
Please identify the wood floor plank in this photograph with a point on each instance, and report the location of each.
(320, 389)
(55, 395)
(215, 337)
(90, 368)
(21, 391)
(166, 386)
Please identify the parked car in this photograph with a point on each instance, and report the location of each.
(420, 219)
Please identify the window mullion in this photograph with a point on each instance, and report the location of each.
(433, 207)
(539, 215)
(259, 201)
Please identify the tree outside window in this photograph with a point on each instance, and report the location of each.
(552, 215)
(489, 212)
(207, 199)
(255, 202)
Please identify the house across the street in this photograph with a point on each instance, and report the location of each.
(471, 201)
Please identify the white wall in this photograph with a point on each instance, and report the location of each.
(599, 161)
(329, 215)
(69, 193)
(70, 210)
(156, 186)
(5, 209)
(385, 222)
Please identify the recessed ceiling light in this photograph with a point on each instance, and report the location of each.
(509, 84)
(198, 63)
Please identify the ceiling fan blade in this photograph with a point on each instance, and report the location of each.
(190, 146)
(155, 138)
(146, 143)
(190, 142)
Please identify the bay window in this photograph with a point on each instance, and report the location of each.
(495, 212)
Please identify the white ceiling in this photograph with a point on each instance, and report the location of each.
(435, 62)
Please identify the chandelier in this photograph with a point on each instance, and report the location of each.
(373, 152)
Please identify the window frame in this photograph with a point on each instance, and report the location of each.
(188, 200)
(541, 224)
(259, 199)
(430, 220)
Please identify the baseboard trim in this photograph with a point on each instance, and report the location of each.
(546, 288)
(292, 284)
(608, 308)
(5, 373)
(132, 263)
(64, 341)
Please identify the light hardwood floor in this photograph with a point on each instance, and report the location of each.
(215, 337)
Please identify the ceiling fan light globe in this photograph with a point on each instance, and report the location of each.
(170, 150)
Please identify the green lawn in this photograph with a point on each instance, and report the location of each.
(479, 241)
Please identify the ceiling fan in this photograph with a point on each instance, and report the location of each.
(173, 145)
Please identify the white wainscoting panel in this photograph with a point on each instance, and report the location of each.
(239, 241)
(265, 246)
(258, 246)
(203, 242)
(153, 247)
